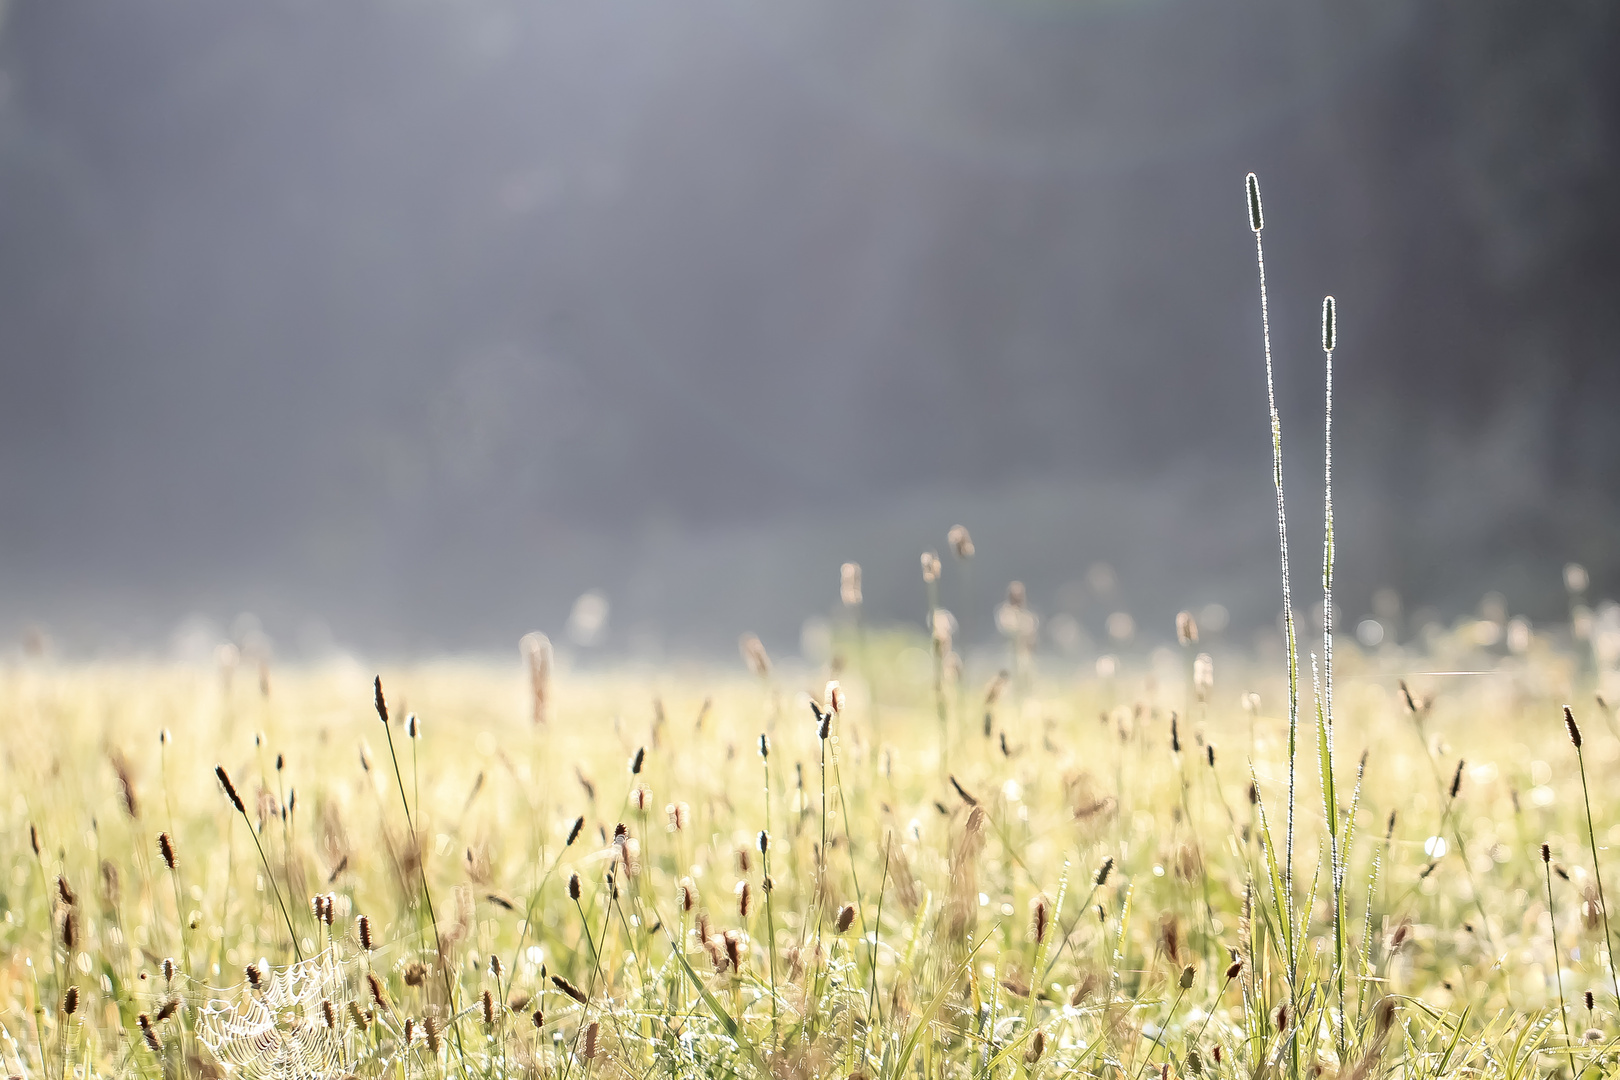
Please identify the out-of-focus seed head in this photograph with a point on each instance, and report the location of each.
(961, 543)
(1329, 324)
(930, 567)
(1257, 219)
(849, 584)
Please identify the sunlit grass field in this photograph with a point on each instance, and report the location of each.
(1066, 877)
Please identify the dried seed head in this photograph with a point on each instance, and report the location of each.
(430, 1028)
(846, 917)
(637, 761)
(569, 988)
(1209, 751)
(849, 584)
(331, 900)
(329, 1013)
(1546, 853)
(1175, 734)
(361, 1020)
(254, 977)
(745, 898)
(961, 543)
(573, 886)
(1590, 1002)
(764, 841)
(363, 924)
(1102, 873)
(764, 746)
(70, 930)
(734, 949)
(415, 974)
(1186, 628)
(377, 699)
(1235, 968)
(573, 832)
(640, 797)
(1257, 220)
(1281, 1018)
(496, 969)
(1456, 780)
(1037, 1047)
(230, 789)
(962, 791)
(168, 969)
(1040, 913)
(1329, 324)
(169, 1008)
(33, 839)
(1384, 1015)
(930, 567)
(149, 1033)
(70, 1001)
(1187, 976)
(379, 993)
(410, 725)
(591, 1034)
(410, 1029)
(754, 654)
(487, 1000)
(65, 891)
(680, 815)
(1574, 731)
(686, 892)
(834, 697)
(539, 1019)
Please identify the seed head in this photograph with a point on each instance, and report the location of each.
(65, 890)
(488, 1002)
(430, 1027)
(1257, 220)
(846, 917)
(149, 1033)
(1037, 1047)
(328, 1013)
(745, 898)
(539, 1019)
(764, 841)
(834, 697)
(168, 969)
(379, 993)
(377, 699)
(1186, 628)
(754, 654)
(230, 789)
(1456, 780)
(1102, 874)
(764, 746)
(70, 1001)
(364, 926)
(1187, 975)
(1209, 750)
(962, 791)
(495, 966)
(410, 725)
(573, 886)
(1039, 914)
(1329, 324)
(569, 988)
(254, 977)
(573, 833)
(1235, 968)
(1281, 1018)
(637, 761)
(33, 839)
(1589, 1001)
(930, 567)
(591, 1034)
(415, 974)
(1574, 731)
(849, 584)
(1175, 735)
(686, 892)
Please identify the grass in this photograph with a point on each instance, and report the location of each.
(947, 875)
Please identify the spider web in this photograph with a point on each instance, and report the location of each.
(279, 1032)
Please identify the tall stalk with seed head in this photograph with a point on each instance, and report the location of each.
(1591, 836)
(1257, 224)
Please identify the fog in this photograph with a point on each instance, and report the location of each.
(401, 325)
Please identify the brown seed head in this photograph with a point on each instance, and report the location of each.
(230, 789)
(487, 1000)
(415, 974)
(1037, 1047)
(745, 898)
(430, 1027)
(638, 760)
(149, 1033)
(1187, 976)
(1574, 730)
(1251, 187)
(377, 699)
(169, 1008)
(70, 1001)
(573, 886)
(573, 832)
(1546, 853)
(1234, 969)
(569, 988)
(379, 993)
(1102, 873)
(846, 918)
(364, 926)
(1039, 914)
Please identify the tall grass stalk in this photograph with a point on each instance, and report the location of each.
(1591, 837)
(1558, 960)
(1257, 224)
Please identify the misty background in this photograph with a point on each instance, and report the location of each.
(401, 324)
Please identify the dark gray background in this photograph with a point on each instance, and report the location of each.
(401, 324)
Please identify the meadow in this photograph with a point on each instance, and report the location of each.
(1329, 862)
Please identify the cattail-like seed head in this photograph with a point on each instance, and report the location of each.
(1254, 793)
(591, 1034)
(363, 924)
(1186, 628)
(415, 974)
(686, 892)
(930, 567)
(487, 1000)
(734, 949)
(1546, 853)
(33, 839)
(328, 1013)
(765, 746)
(1037, 1047)
(168, 969)
(849, 584)
(1574, 730)
(496, 968)
(963, 792)
(745, 898)
(1209, 752)
(1456, 780)
(317, 904)
(331, 902)
(1281, 1018)
(764, 841)
(70, 930)
(1175, 734)
(1389, 829)
(961, 543)
(574, 831)
(539, 1019)
(682, 816)
(1384, 1015)
(834, 696)
(1040, 913)
(430, 1028)
(568, 988)
(573, 886)
(1329, 324)
(754, 655)
(65, 891)
(361, 1020)
(1235, 968)
(1102, 873)
(379, 992)
(1257, 220)
(1590, 1001)
(377, 699)
(149, 1033)
(230, 789)
(846, 917)
(255, 978)
(638, 760)
(1188, 973)
(640, 798)
(410, 1029)
(70, 1000)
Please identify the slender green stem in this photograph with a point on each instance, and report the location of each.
(1558, 968)
(1603, 905)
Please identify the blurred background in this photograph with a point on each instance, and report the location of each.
(400, 326)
